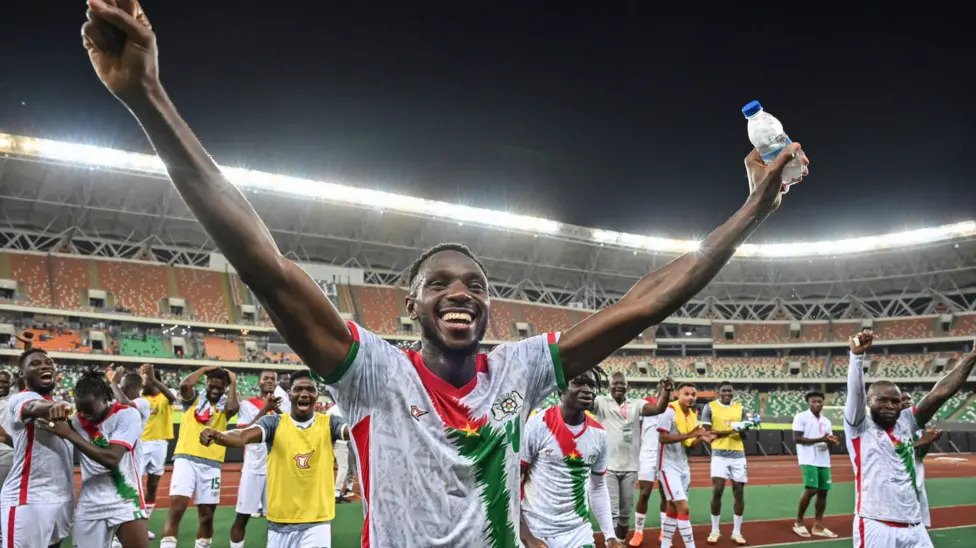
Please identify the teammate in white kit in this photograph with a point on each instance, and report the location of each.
(252, 493)
(38, 494)
(127, 389)
(924, 439)
(107, 435)
(677, 424)
(647, 463)
(157, 432)
(888, 511)
(813, 435)
(564, 463)
(344, 470)
(442, 421)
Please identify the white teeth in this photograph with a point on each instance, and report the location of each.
(457, 316)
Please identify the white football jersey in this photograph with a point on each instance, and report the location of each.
(104, 492)
(42, 460)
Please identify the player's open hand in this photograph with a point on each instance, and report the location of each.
(861, 342)
(122, 47)
(831, 439)
(766, 181)
(208, 436)
(271, 405)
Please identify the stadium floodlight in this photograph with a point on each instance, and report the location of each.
(147, 164)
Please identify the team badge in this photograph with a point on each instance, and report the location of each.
(302, 459)
(507, 405)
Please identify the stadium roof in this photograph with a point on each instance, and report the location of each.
(58, 190)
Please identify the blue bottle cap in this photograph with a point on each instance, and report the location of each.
(751, 108)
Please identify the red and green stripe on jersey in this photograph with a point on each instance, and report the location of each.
(125, 490)
(579, 471)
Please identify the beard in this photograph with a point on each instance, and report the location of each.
(433, 336)
(882, 421)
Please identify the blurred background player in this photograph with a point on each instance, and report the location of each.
(647, 461)
(678, 431)
(924, 439)
(106, 434)
(36, 502)
(345, 463)
(157, 432)
(300, 481)
(728, 459)
(196, 468)
(564, 463)
(813, 435)
(252, 491)
(620, 417)
(887, 506)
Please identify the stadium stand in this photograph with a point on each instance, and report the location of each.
(137, 287)
(379, 307)
(544, 319)
(205, 293)
(503, 319)
(145, 345)
(217, 348)
(785, 403)
(31, 271)
(70, 281)
(908, 328)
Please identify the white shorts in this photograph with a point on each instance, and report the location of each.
(869, 533)
(252, 493)
(153, 457)
(193, 478)
(647, 466)
(36, 525)
(676, 483)
(316, 536)
(581, 536)
(730, 468)
(98, 533)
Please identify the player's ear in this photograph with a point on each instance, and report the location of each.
(411, 306)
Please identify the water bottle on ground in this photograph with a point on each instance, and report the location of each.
(767, 135)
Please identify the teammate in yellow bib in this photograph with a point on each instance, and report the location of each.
(196, 467)
(728, 459)
(301, 481)
(156, 434)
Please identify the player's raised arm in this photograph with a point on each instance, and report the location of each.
(945, 388)
(148, 373)
(232, 438)
(658, 294)
(664, 388)
(122, 49)
(857, 396)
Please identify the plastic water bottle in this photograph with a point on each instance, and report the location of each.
(767, 135)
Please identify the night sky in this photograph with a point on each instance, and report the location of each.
(603, 117)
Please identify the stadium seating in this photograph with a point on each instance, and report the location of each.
(138, 287)
(69, 278)
(222, 349)
(544, 319)
(950, 406)
(32, 273)
(502, 324)
(380, 307)
(785, 403)
(205, 293)
(965, 326)
(907, 328)
(56, 340)
(149, 346)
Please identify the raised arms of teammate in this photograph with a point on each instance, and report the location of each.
(945, 388)
(857, 395)
(122, 49)
(663, 397)
(660, 293)
(232, 406)
(148, 373)
(115, 375)
(188, 384)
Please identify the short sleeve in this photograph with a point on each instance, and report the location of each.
(599, 467)
(246, 414)
(530, 441)
(706, 416)
(269, 425)
(539, 356)
(16, 407)
(142, 405)
(336, 425)
(798, 425)
(665, 421)
(362, 379)
(127, 429)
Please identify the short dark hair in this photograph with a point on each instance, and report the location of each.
(814, 394)
(686, 384)
(302, 374)
(6, 373)
(93, 383)
(22, 359)
(419, 262)
(219, 373)
(725, 383)
(132, 378)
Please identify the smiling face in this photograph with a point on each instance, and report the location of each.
(303, 395)
(449, 298)
(725, 394)
(40, 372)
(268, 382)
(687, 396)
(618, 387)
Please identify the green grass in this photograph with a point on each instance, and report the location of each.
(762, 502)
(941, 538)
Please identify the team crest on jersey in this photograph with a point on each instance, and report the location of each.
(417, 412)
(302, 459)
(508, 404)
(547, 452)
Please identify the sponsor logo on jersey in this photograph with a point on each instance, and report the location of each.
(417, 412)
(302, 459)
